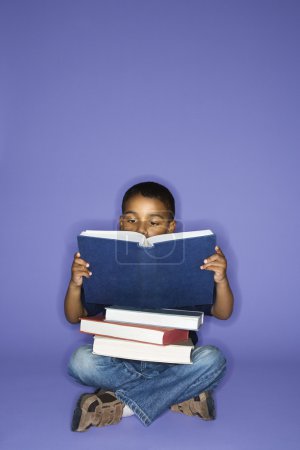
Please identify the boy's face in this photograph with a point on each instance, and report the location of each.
(147, 216)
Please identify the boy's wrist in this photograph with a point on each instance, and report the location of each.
(222, 282)
(73, 286)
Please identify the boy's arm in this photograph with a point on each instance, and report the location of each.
(73, 304)
(223, 304)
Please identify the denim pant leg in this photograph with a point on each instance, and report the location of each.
(99, 371)
(148, 388)
(163, 385)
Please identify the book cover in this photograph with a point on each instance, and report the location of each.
(159, 272)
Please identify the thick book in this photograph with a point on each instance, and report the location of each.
(174, 318)
(120, 348)
(140, 333)
(161, 271)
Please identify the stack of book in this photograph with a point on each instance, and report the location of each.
(160, 335)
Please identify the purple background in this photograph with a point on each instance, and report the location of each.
(202, 96)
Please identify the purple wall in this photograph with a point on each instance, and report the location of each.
(202, 96)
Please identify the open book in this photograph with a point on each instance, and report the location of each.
(162, 271)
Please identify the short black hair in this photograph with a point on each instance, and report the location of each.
(153, 190)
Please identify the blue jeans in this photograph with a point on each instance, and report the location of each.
(149, 388)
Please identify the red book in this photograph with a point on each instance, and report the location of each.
(141, 333)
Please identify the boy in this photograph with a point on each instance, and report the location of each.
(146, 389)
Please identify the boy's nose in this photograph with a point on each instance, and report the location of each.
(143, 230)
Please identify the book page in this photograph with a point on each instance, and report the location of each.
(133, 236)
(129, 236)
(175, 236)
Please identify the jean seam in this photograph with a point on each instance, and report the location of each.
(134, 407)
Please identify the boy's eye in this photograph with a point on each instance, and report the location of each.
(152, 223)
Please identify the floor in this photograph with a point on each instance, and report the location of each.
(257, 409)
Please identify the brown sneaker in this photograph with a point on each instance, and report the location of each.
(99, 409)
(202, 406)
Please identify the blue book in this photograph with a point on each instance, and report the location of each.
(161, 271)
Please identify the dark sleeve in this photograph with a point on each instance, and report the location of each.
(91, 308)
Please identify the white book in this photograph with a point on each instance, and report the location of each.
(120, 348)
(173, 318)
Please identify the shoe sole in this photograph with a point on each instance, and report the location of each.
(78, 413)
(105, 401)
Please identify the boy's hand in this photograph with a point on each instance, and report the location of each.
(218, 264)
(79, 270)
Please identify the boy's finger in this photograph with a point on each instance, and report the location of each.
(214, 263)
(79, 267)
(82, 262)
(87, 275)
(212, 267)
(218, 250)
(79, 260)
(211, 258)
(81, 273)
